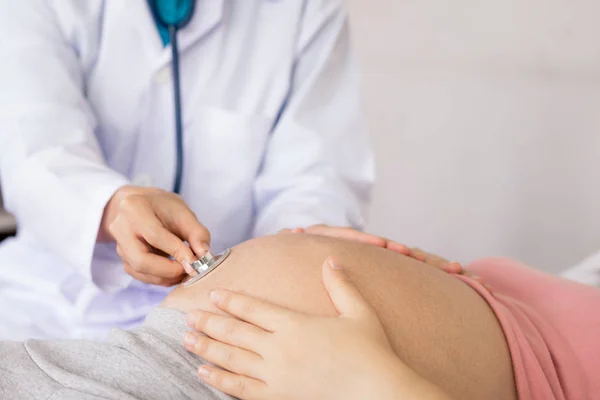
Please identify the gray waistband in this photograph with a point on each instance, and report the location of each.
(169, 322)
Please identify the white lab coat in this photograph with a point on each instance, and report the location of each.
(273, 131)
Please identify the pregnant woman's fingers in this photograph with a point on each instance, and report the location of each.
(241, 387)
(398, 248)
(227, 330)
(229, 357)
(355, 235)
(418, 254)
(257, 312)
(453, 267)
(346, 233)
(344, 295)
(436, 261)
(358, 236)
(295, 230)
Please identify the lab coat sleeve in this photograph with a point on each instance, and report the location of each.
(318, 167)
(54, 177)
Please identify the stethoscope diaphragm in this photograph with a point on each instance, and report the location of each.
(205, 265)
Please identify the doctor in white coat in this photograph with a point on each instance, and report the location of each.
(273, 138)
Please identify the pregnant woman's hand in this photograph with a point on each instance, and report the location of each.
(353, 234)
(451, 267)
(268, 352)
(150, 226)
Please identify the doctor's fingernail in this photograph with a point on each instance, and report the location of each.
(190, 340)
(187, 267)
(204, 247)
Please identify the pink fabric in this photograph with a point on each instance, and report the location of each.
(552, 327)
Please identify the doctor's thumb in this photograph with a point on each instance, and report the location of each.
(198, 237)
(344, 295)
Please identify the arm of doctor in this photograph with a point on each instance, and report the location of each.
(54, 177)
(318, 166)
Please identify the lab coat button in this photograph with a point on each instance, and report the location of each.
(142, 180)
(163, 75)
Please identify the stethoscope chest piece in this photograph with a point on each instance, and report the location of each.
(206, 265)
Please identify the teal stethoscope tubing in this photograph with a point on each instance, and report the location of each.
(174, 20)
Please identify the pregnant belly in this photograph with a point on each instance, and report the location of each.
(439, 326)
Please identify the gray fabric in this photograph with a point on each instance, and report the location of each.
(146, 363)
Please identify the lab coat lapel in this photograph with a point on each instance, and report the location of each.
(141, 17)
(207, 16)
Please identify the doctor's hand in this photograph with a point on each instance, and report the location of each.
(356, 235)
(151, 225)
(267, 352)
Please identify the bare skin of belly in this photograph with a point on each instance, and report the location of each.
(436, 324)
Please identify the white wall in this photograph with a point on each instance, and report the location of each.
(486, 123)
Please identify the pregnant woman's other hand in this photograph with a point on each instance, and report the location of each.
(149, 226)
(268, 352)
(451, 267)
(356, 235)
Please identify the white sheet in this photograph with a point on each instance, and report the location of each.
(588, 271)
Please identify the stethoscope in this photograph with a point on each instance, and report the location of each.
(205, 265)
(174, 19)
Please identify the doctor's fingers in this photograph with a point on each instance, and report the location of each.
(162, 239)
(151, 279)
(184, 224)
(146, 221)
(143, 260)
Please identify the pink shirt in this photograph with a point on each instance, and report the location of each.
(552, 327)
